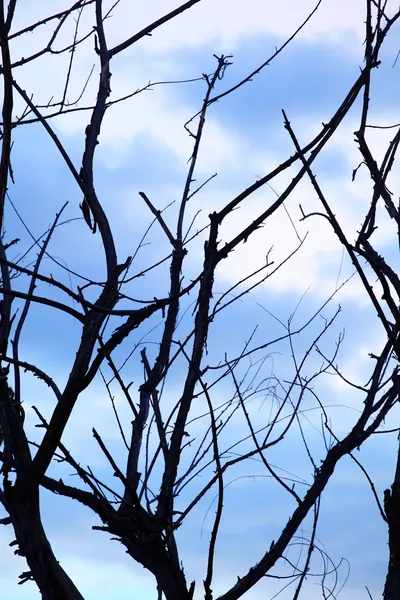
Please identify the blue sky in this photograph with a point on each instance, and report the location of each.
(144, 147)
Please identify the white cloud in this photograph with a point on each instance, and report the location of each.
(157, 113)
(321, 264)
(162, 120)
(230, 22)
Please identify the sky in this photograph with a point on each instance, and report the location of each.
(144, 147)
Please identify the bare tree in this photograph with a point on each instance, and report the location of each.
(172, 441)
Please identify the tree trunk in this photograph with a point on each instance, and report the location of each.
(392, 509)
(51, 579)
(169, 575)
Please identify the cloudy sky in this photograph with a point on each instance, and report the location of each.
(144, 147)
